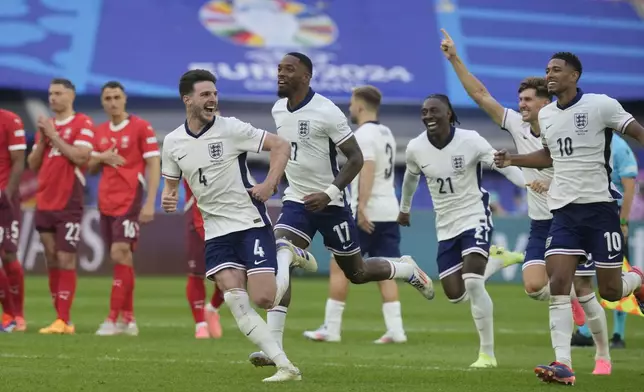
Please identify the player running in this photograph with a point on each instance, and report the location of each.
(210, 153)
(125, 149)
(577, 132)
(61, 151)
(315, 199)
(12, 164)
(206, 317)
(375, 207)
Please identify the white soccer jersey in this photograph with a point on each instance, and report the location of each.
(578, 137)
(314, 129)
(454, 174)
(214, 164)
(378, 145)
(527, 142)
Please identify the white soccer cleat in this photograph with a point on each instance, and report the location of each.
(108, 328)
(321, 335)
(128, 329)
(259, 359)
(420, 280)
(290, 373)
(391, 337)
(301, 258)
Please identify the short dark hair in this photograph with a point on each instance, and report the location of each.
(570, 59)
(112, 84)
(188, 80)
(369, 94)
(64, 82)
(539, 85)
(453, 119)
(304, 59)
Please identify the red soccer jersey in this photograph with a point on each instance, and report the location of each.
(135, 141)
(196, 221)
(12, 138)
(60, 182)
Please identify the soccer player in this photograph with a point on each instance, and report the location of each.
(62, 149)
(207, 323)
(451, 160)
(210, 152)
(315, 199)
(375, 207)
(12, 164)
(577, 131)
(125, 149)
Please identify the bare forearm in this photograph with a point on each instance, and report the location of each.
(95, 163)
(349, 171)
(365, 186)
(629, 195)
(34, 160)
(279, 157)
(170, 186)
(78, 156)
(153, 166)
(535, 160)
(14, 176)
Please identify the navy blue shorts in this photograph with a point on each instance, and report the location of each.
(591, 231)
(384, 241)
(336, 224)
(252, 250)
(451, 252)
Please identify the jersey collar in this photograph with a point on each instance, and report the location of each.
(203, 130)
(305, 101)
(371, 122)
(452, 130)
(574, 100)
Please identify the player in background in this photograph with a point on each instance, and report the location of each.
(12, 164)
(375, 207)
(61, 151)
(623, 177)
(315, 200)
(577, 131)
(452, 160)
(210, 153)
(126, 149)
(206, 316)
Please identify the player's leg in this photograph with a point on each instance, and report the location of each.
(195, 286)
(330, 331)
(10, 224)
(212, 312)
(619, 317)
(7, 246)
(535, 278)
(45, 223)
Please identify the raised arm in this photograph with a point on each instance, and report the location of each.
(34, 159)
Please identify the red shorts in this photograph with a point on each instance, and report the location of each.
(120, 229)
(65, 224)
(196, 252)
(9, 224)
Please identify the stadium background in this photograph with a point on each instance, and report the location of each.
(353, 42)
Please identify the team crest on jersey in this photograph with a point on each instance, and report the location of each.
(216, 150)
(458, 162)
(125, 140)
(303, 128)
(581, 120)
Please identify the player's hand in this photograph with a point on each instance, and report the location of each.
(447, 45)
(539, 186)
(169, 201)
(316, 202)
(625, 231)
(364, 223)
(47, 127)
(404, 219)
(262, 192)
(147, 213)
(111, 157)
(502, 159)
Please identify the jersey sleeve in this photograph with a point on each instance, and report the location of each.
(485, 151)
(248, 138)
(410, 160)
(337, 128)
(367, 145)
(542, 127)
(512, 121)
(614, 115)
(85, 136)
(169, 167)
(16, 137)
(148, 141)
(624, 161)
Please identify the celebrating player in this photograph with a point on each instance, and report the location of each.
(126, 148)
(210, 152)
(577, 132)
(315, 199)
(61, 150)
(12, 164)
(451, 160)
(375, 207)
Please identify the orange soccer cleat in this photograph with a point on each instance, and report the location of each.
(214, 325)
(58, 327)
(21, 324)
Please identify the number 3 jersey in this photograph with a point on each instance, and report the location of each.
(579, 137)
(379, 146)
(454, 174)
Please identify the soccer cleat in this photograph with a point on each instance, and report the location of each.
(508, 258)
(484, 361)
(7, 320)
(301, 258)
(603, 367)
(555, 373)
(21, 324)
(579, 340)
(639, 292)
(129, 329)
(420, 280)
(108, 328)
(290, 373)
(201, 331)
(321, 335)
(390, 337)
(259, 359)
(578, 314)
(8, 327)
(617, 342)
(58, 327)
(212, 318)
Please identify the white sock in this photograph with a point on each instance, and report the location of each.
(401, 270)
(482, 311)
(596, 321)
(493, 266)
(253, 326)
(393, 317)
(276, 318)
(573, 292)
(561, 326)
(282, 278)
(630, 282)
(333, 317)
(541, 295)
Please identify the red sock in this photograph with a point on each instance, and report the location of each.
(217, 298)
(16, 286)
(120, 280)
(54, 278)
(66, 292)
(5, 296)
(128, 305)
(196, 294)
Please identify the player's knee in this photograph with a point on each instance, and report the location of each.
(264, 300)
(610, 293)
(357, 276)
(119, 253)
(66, 260)
(533, 288)
(560, 284)
(456, 298)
